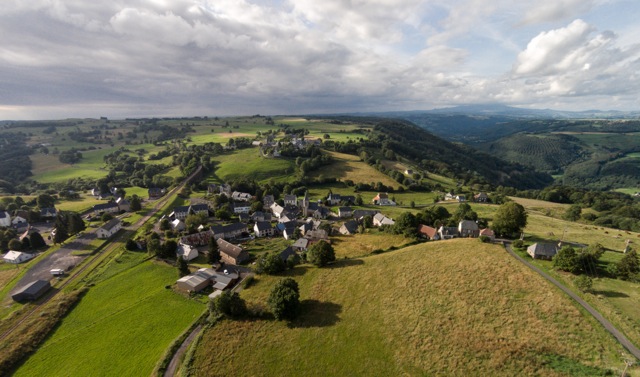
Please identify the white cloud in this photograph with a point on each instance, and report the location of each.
(557, 10)
(300, 56)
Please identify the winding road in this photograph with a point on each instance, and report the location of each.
(626, 343)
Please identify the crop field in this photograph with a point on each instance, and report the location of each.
(248, 163)
(121, 327)
(459, 307)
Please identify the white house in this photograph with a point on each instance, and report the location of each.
(16, 257)
(5, 219)
(109, 229)
(186, 252)
(382, 199)
(241, 207)
(380, 219)
(178, 225)
(263, 229)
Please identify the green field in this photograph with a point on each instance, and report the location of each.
(120, 328)
(458, 308)
(247, 163)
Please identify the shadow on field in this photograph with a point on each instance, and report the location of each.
(611, 294)
(346, 263)
(316, 313)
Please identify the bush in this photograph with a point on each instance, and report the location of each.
(270, 264)
(519, 244)
(485, 239)
(584, 283)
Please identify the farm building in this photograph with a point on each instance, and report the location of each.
(16, 257)
(225, 279)
(109, 229)
(229, 231)
(230, 253)
(197, 281)
(542, 250)
(178, 225)
(31, 291)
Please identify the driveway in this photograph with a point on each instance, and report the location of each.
(61, 258)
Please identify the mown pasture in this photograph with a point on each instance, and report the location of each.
(121, 326)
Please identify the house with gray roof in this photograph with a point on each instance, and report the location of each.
(542, 250)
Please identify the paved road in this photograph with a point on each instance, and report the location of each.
(607, 325)
(173, 365)
(62, 259)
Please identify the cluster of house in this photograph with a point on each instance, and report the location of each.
(481, 197)
(465, 229)
(271, 144)
(20, 220)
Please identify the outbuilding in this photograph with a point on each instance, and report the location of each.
(16, 257)
(31, 291)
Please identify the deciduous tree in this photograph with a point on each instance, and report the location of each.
(284, 299)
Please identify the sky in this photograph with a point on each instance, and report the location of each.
(136, 58)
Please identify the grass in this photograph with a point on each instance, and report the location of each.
(359, 245)
(459, 308)
(121, 327)
(348, 166)
(248, 163)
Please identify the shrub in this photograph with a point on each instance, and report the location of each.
(485, 239)
(584, 283)
(228, 304)
(519, 244)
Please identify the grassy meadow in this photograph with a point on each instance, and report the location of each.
(247, 163)
(348, 166)
(121, 327)
(454, 308)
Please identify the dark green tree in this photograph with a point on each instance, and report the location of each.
(183, 267)
(106, 217)
(567, 260)
(628, 267)
(76, 224)
(168, 249)
(228, 304)
(15, 244)
(509, 219)
(284, 299)
(213, 254)
(573, 213)
(320, 254)
(131, 245)
(45, 201)
(135, 203)
(36, 240)
(406, 224)
(270, 264)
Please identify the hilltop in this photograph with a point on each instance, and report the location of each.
(457, 307)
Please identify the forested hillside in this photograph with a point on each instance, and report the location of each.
(433, 153)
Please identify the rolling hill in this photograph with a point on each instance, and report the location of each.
(457, 308)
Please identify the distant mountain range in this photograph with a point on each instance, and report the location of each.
(510, 111)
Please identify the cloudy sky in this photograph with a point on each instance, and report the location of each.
(79, 58)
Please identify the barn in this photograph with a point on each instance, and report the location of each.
(31, 291)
